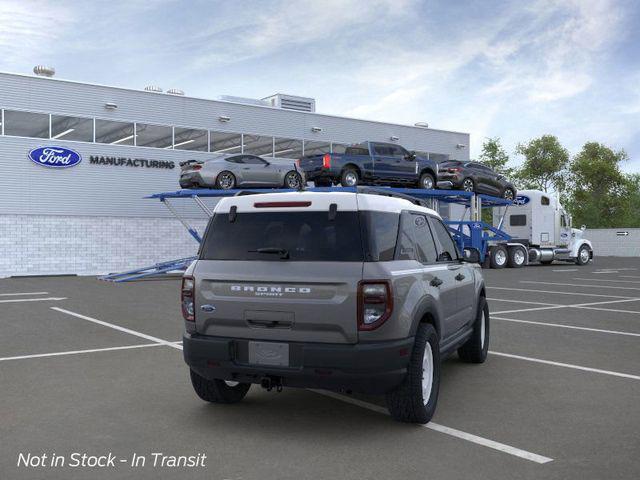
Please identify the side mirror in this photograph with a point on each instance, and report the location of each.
(471, 255)
(410, 156)
(583, 228)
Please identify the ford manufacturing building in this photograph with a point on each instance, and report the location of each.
(91, 217)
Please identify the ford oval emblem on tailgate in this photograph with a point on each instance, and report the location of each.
(55, 157)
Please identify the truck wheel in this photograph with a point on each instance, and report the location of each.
(415, 399)
(584, 255)
(475, 349)
(499, 256)
(508, 194)
(426, 181)
(225, 180)
(349, 177)
(517, 257)
(218, 391)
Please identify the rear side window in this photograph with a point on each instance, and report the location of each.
(447, 250)
(305, 236)
(544, 201)
(357, 151)
(517, 220)
(381, 231)
(415, 241)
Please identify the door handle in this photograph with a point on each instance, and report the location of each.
(459, 277)
(436, 282)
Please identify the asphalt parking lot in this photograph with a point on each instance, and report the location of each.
(95, 367)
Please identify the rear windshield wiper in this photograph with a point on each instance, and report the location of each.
(283, 252)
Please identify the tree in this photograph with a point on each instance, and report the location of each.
(494, 156)
(600, 195)
(545, 164)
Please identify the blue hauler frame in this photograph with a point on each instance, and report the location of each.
(472, 233)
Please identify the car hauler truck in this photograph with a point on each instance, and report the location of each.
(540, 231)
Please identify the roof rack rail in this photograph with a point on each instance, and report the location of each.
(388, 193)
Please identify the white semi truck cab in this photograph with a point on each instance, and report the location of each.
(540, 231)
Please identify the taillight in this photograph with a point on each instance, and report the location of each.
(455, 170)
(186, 298)
(375, 303)
(298, 163)
(326, 161)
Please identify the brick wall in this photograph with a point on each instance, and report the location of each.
(50, 245)
(608, 243)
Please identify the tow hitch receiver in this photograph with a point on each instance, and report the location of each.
(270, 382)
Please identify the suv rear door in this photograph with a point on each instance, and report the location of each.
(245, 292)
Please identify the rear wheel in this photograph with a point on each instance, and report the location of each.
(225, 180)
(499, 256)
(475, 349)
(415, 399)
(426, 181)
(584, 255)
(218, 391)
(508, 194)
(293, 180)
(468, 185)
(517, 257)
(349, 177)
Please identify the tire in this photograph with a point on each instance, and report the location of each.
(407, 402)
(508, 194)
(475, 349)
(225, 180)
(293, 180)
(517, 257)
(349, 177)
(468, 185)
(427, 181)
(546, 262)
(499, 257)
(218, 391)
(584, 255)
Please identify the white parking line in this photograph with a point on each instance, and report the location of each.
(559, 293)
(27, 293)
(521, 301)
(566, 365)
(566, 270)
(581, 285)
(573, 327)
(119, 328)
(629, 276)
(531, 309)
(587, 306)
(76, 352)
(605, 280)
(47, 299)
(485, 442)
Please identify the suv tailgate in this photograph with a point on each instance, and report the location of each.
(281, 301)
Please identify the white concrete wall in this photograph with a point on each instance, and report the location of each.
(608, 242)
(53, 245)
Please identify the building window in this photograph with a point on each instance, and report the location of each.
(316, 148)
(190, 139)
(287, 148)
(71, 128)
(226, 142)
(115, 133)
(257, 145)
(26, 124)
(157, 136)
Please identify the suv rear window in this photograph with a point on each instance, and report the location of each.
(306, 236)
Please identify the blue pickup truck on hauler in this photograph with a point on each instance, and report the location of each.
(371, 163)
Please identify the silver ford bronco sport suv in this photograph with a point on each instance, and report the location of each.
(352, 292)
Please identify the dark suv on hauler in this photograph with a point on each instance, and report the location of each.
(352, 292)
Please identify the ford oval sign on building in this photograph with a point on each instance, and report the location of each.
(55, 157)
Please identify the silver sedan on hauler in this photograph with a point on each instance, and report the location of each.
(240, 171)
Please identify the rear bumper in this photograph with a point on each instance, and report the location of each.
(320, 173)
(189, 180)
(372, 368)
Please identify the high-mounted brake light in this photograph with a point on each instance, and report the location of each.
(281, 204)
(375, 303)
(326, 160)
(186, 298)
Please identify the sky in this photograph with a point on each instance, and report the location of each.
(509, 69)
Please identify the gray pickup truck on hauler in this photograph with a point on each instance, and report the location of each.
(352, 292)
